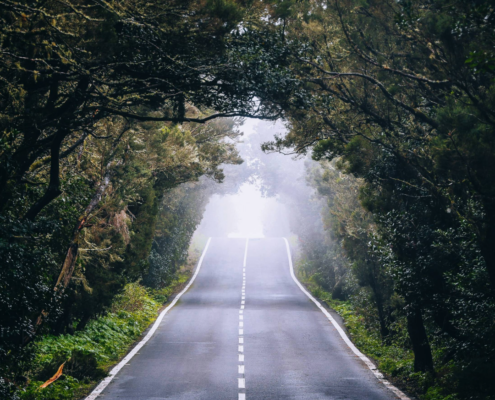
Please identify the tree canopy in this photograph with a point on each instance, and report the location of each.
(110, 139)
(402, 95)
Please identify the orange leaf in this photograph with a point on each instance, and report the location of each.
(54, 377)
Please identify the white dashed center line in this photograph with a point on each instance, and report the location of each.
(241, 378)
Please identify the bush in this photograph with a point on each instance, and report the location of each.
(393, 357)
(81, 365)
(62, 389)
(90, 352)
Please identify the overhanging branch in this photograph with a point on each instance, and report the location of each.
(186, 119)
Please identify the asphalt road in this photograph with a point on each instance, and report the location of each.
(278, 346)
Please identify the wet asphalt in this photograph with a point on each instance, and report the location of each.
(288, 348)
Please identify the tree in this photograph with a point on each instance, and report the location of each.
(66, 67)
(110, 240)
(403, 91)
(354, 229)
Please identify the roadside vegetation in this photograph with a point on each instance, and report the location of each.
(90, 353)
(394, 358)
(105, 169)
(402, 129)
(111, 144)
(347, 263)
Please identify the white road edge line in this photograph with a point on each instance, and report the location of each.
(104, 383)
(354, 349)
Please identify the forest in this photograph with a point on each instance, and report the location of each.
(120, 119)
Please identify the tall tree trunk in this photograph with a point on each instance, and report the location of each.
(487, 244)
(53, 189)
(71, 257)
(69, 263)
(384, 331)
(423, 361)
(378, 298)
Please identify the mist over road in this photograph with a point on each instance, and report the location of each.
(245, 332)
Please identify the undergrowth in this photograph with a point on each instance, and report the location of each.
(90, 353)
(393, 358)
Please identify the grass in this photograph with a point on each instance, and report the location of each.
(393, 359)
(93, 351)
(90, 353)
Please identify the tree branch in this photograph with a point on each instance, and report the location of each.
(186, 119)
(53, 190)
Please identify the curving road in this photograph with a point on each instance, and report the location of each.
(245, 332)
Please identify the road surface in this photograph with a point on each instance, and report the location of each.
(254, 337)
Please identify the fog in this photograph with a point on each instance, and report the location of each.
(255, 208)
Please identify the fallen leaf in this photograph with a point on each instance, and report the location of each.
(54, 377)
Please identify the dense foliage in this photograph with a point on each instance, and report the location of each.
(133, 214)
(68, 67)
(89, 352)
(109, 147)
(105, 109)
(403, 97)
